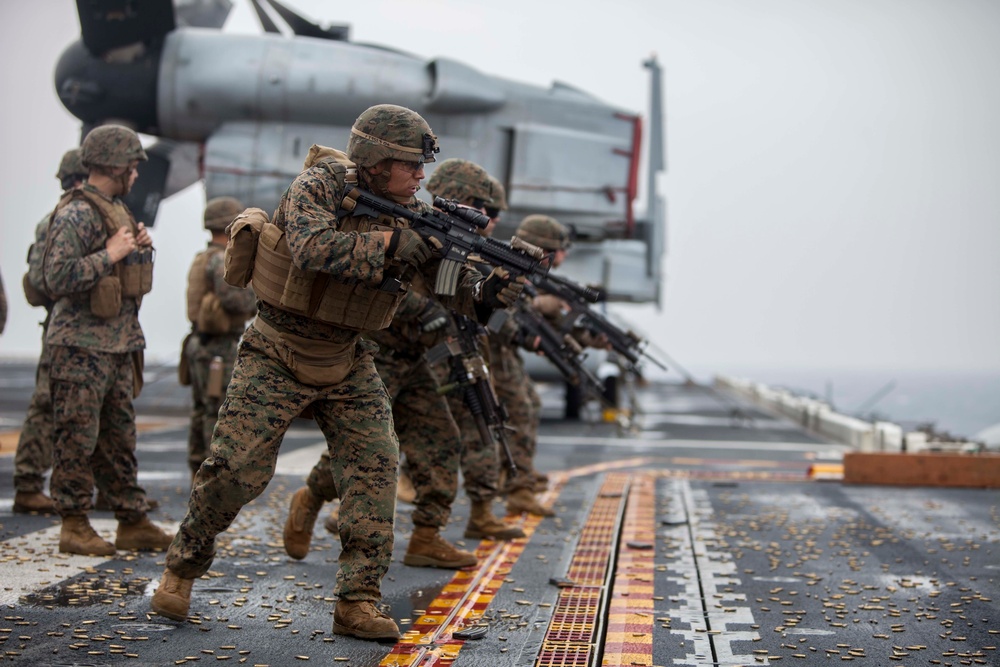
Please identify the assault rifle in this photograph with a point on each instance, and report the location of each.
(536, 334)
(452, 229)
(469, 375)
(625, 342)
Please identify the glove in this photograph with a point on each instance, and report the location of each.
(432, 317)
(407, 246)
(499, 290)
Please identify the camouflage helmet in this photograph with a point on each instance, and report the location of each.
(499, 194)
(220, 211)
(545, 232)
(111, 146)
(71, 165)
(461, 180)
(390, 131)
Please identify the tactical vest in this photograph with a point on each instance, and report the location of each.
(204, 308)
(135, 271)
(313, 294)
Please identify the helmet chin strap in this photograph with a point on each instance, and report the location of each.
(124, 186)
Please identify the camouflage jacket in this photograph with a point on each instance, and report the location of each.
(308, 213)
(236, 301)
(76, 259)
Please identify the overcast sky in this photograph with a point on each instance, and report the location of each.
(833, 165)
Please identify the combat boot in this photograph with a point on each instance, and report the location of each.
(363, 620)
(27, 501)
(523, 500)
(172, 598)
(428, 549)
(142, 535)
(404, 488)
(483, 525)
(299, 525)
(77, 536)
(539, 481)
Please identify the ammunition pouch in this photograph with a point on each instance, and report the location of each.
(106, 298)
(241, 249)
(34, 296)
(313, 362)
(136, 273)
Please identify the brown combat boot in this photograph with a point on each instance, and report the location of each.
(332, 521)
(539, 481)
(363, 620)
(172, 598)
(523, 500)
(142, 535)
(27, 501)
(404, 488)
(483, 525)
(428, 549)
(77, 536)
(299, 525)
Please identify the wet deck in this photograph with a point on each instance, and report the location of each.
(693, 536)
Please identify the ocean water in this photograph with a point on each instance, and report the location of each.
(962, 403)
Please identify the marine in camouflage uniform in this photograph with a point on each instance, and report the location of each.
(290, 362)
(220, 317)
(93, 265)
(33, 456)
(428, 435)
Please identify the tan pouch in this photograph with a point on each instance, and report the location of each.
(212, 317)
(183, 365)
(313, 362)
(241, 249)
(106, 298)
(33, 295)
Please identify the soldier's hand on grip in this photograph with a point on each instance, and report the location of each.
(120, 245)
(499, 290)
(407, 246)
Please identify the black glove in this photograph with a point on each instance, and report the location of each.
(433, 317)
(499, 290)
(407, 246)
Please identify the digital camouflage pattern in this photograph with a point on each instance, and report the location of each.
(200, 349)
(517, 392)
(76, 260)
(461, 180)
(262, 400)
(220, 211)
(479, 461)
(33, 456)
(498, 194)
(111, 146)
(72, 165)
(544, 231)
(95, 432)
(389, 131)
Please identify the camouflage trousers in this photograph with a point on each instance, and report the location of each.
(262, 399)
(34, 446)
(94, 423)
(516, 391)
(428, 437)
(200, 350)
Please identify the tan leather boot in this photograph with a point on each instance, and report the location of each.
(143, 535)
(428, 549)
(523, 500)
(404, 488)
(172, 598)
(77, 536)
(25, 501)
(300, 522)
(363, 620)
(483, 525)
(540, 482)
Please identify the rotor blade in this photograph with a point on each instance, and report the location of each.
(265, 19)
(203, 13)
(306, 28)
(109, 24)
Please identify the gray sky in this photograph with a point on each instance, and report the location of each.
(833, 165)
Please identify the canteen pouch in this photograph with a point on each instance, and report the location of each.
(106, 298)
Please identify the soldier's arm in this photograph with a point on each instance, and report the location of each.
(76, 257)
(313, 237)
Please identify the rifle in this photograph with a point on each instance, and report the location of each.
(536, 334)
(469, 375)
(625, 342)
(452, 229)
